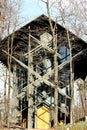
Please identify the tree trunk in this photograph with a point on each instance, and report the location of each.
(5, 99)
(71, 81)
(55, 48)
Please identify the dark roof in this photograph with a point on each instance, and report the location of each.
(37, 27)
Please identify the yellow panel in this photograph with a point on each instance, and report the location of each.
(43, 117)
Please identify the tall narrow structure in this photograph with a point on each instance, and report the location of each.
(33, 72)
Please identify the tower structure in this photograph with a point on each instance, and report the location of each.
(33, 72)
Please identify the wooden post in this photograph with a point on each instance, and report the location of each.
(30, 88)
(55, 81)
(14, 95)
(71, 80)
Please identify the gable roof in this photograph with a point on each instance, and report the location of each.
(37, 27)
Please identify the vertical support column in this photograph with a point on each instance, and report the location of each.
(72, 96)
(51, 113)
(66, 110)
(71, 80)
(72, 116)
(15, 93)
(55, 47)
(35, 108)
(30, 88)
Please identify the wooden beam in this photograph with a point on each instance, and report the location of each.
(50, 50)
(43, 79)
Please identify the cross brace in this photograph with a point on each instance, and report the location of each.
(46, 76)
(41, 46)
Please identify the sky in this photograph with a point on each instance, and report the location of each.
(32, 9)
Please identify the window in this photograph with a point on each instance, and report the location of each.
(65, 53)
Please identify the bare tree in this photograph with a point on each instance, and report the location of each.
(55, 48)
(66, 13)
(10, 17)
(82, 88)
